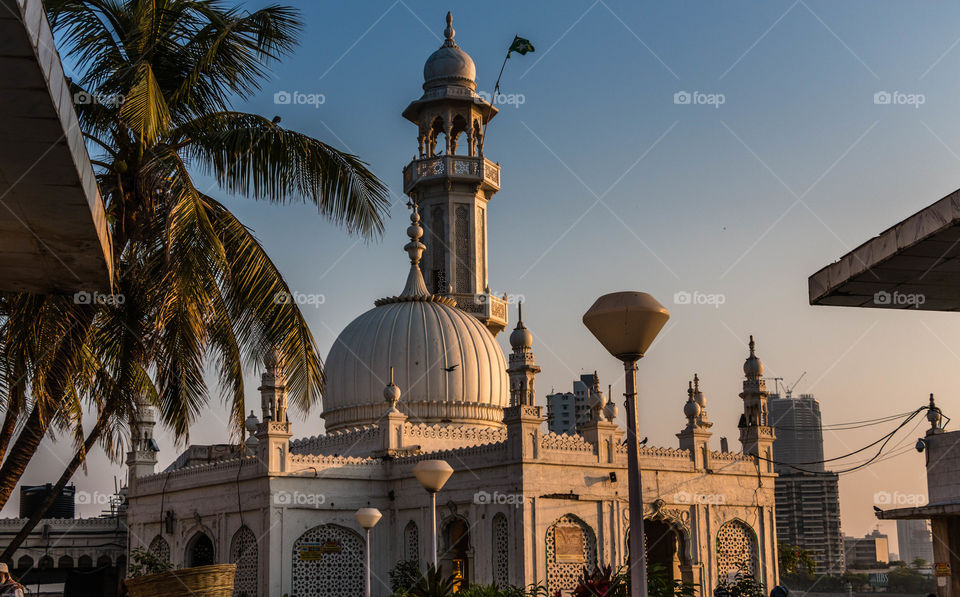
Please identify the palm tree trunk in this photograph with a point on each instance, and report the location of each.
(23, 450)
(6, 431)
(68, 473)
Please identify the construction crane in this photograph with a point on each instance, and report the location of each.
(788, 392)
(777, 382)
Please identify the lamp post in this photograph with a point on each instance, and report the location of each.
(368, 518)
(626, 323)
(432, 475)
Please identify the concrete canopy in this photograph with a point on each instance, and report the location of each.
(913, 265)
(53, 230)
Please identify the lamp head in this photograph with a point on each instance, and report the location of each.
(626, 323)
(368, 517)
(432, 474)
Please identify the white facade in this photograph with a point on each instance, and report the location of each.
(523, 505)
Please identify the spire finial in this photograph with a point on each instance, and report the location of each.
(752, 346)
(415, 285)
(520, 314)
(696, 383)
(449, 32)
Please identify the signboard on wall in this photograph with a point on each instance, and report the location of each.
(941, 568)
(313, 551)
(570, 544)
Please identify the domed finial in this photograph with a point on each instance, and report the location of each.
(521, 339)
(753, 366)
(391, 393)
(449, 31)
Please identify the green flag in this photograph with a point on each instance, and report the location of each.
(520, 46)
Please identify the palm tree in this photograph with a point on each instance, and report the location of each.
(194, 287)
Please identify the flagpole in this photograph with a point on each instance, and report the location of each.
(493, 98)
(502, 66)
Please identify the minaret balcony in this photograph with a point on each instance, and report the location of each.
(479, 170)
(489, 309)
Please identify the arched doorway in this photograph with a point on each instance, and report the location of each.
(456, 554)
(571, 547)
(328, 561)
(666, 549)
(199, 551)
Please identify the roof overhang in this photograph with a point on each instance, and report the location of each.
(53, 230)
(928, 511)
(913, 265)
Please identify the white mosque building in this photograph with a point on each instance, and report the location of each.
(420, 376)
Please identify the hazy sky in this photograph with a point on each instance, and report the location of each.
(608, 184)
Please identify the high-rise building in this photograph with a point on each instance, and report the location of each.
(799, 432)
(808, 516)
(807, 496)
(568, 411)
(913, 538)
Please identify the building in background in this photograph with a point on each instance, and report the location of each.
(914, 540)
(807, 496)
(64, 555)
(567, 412)
(866, 551)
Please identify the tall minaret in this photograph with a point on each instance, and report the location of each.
(142, 457)
(523, 370)
(756, 434)
(452, 181)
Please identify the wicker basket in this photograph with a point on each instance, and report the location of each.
(202, 581)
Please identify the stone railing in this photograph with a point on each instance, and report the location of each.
(477, 169)
(463, 433)
(323, 460)
(157, 480)
(458, 454)
(566, 442)
(729, 456)
(336, 439)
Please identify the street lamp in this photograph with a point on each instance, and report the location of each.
(432, 474)
(368, 518)
(626, 323)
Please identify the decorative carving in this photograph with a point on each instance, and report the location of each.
(736, 548)
(501, 550)
(243, 552)
(328, 562)
(462, 241)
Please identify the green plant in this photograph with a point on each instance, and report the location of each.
(144, 563)
(604, 582)
(433, 584)
(404, 575)
(793, 559)
(744, 584)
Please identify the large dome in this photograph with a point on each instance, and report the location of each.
(421, 340)
(448, 366)
(449, 65)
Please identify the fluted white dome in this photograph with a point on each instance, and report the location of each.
(420, 339)
(446, 364)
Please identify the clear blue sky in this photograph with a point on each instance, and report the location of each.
(608, 184)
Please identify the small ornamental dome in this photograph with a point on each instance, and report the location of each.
(521, 337)
(449, 65)
(691, 409)
(753, 366)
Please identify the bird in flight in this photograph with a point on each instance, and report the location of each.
(451, 367)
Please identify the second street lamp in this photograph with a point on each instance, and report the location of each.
(368, 518)
(432, 475)
(626, 323)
